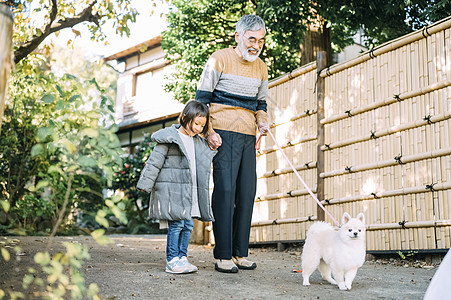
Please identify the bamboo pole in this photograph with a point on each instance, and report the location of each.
(296, 141)
(306, 113)
(390, 100)
(389, 46)
(276, 196)
(386, 163)
(418, 224)
(306, 166)
(391, 193)
(284, 221)
(295, 73)
(388, 131)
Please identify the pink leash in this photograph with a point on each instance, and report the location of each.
(257, 147)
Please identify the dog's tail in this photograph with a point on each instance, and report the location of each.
(319, 227)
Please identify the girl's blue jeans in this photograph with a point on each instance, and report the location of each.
(178, 236)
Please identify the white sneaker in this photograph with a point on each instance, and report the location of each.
(226, 266)
(186, 263)
(175, 266)
(243, 263)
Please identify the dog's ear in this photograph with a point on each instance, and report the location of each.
(346, 218)
(361, 217)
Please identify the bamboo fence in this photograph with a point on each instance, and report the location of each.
(368, 135)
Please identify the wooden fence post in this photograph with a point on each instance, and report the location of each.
(6, 42)
(321, 63)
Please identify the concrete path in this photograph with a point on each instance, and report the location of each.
(132, 267)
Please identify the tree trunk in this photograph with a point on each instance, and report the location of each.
(6, 43)
(315, 40)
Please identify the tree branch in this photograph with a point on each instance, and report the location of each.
(62, 212)
(31, 45)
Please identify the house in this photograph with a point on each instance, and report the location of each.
(142, 105)
(351, 51)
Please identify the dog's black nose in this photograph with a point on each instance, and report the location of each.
(356, 233)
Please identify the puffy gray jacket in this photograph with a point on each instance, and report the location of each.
(167, 177)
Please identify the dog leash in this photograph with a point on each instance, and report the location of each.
(258, 143)
(257, 147)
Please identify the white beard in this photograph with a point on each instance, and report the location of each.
(244, 52)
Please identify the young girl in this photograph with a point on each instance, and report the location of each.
(177, 177)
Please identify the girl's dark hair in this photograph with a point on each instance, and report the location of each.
(194, 109)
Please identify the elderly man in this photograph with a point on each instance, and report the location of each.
(234, 84)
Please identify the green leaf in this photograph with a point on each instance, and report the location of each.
(87, 161)
(101, 213)
(27, 280)
(60, 105)
(119, 214)
(48, 98)
(102, 221)
(5, 205)
(72, 169)
(103, 142)
(43, 132)
(94, 81)
(93, 114)
(104, 100)
(91, 132)
(73, 98)
(37, 150)
(121, 205)
(116, 198)
(5, 254)
(100, 238)
(58, 88)
(93, 290)
(69, 146)
(97, 233)
(53, 169)
(42, 258)
(51, 147)
(114, 128)
(70, 76)
(41, 184)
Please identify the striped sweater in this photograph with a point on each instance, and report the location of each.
(236, 91)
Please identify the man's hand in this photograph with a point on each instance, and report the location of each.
(263, 128)
(214, 141)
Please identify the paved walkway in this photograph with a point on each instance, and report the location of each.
(132, 267)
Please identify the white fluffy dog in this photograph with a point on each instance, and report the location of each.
(338, 253)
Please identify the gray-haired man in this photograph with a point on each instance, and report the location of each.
(234, 83)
